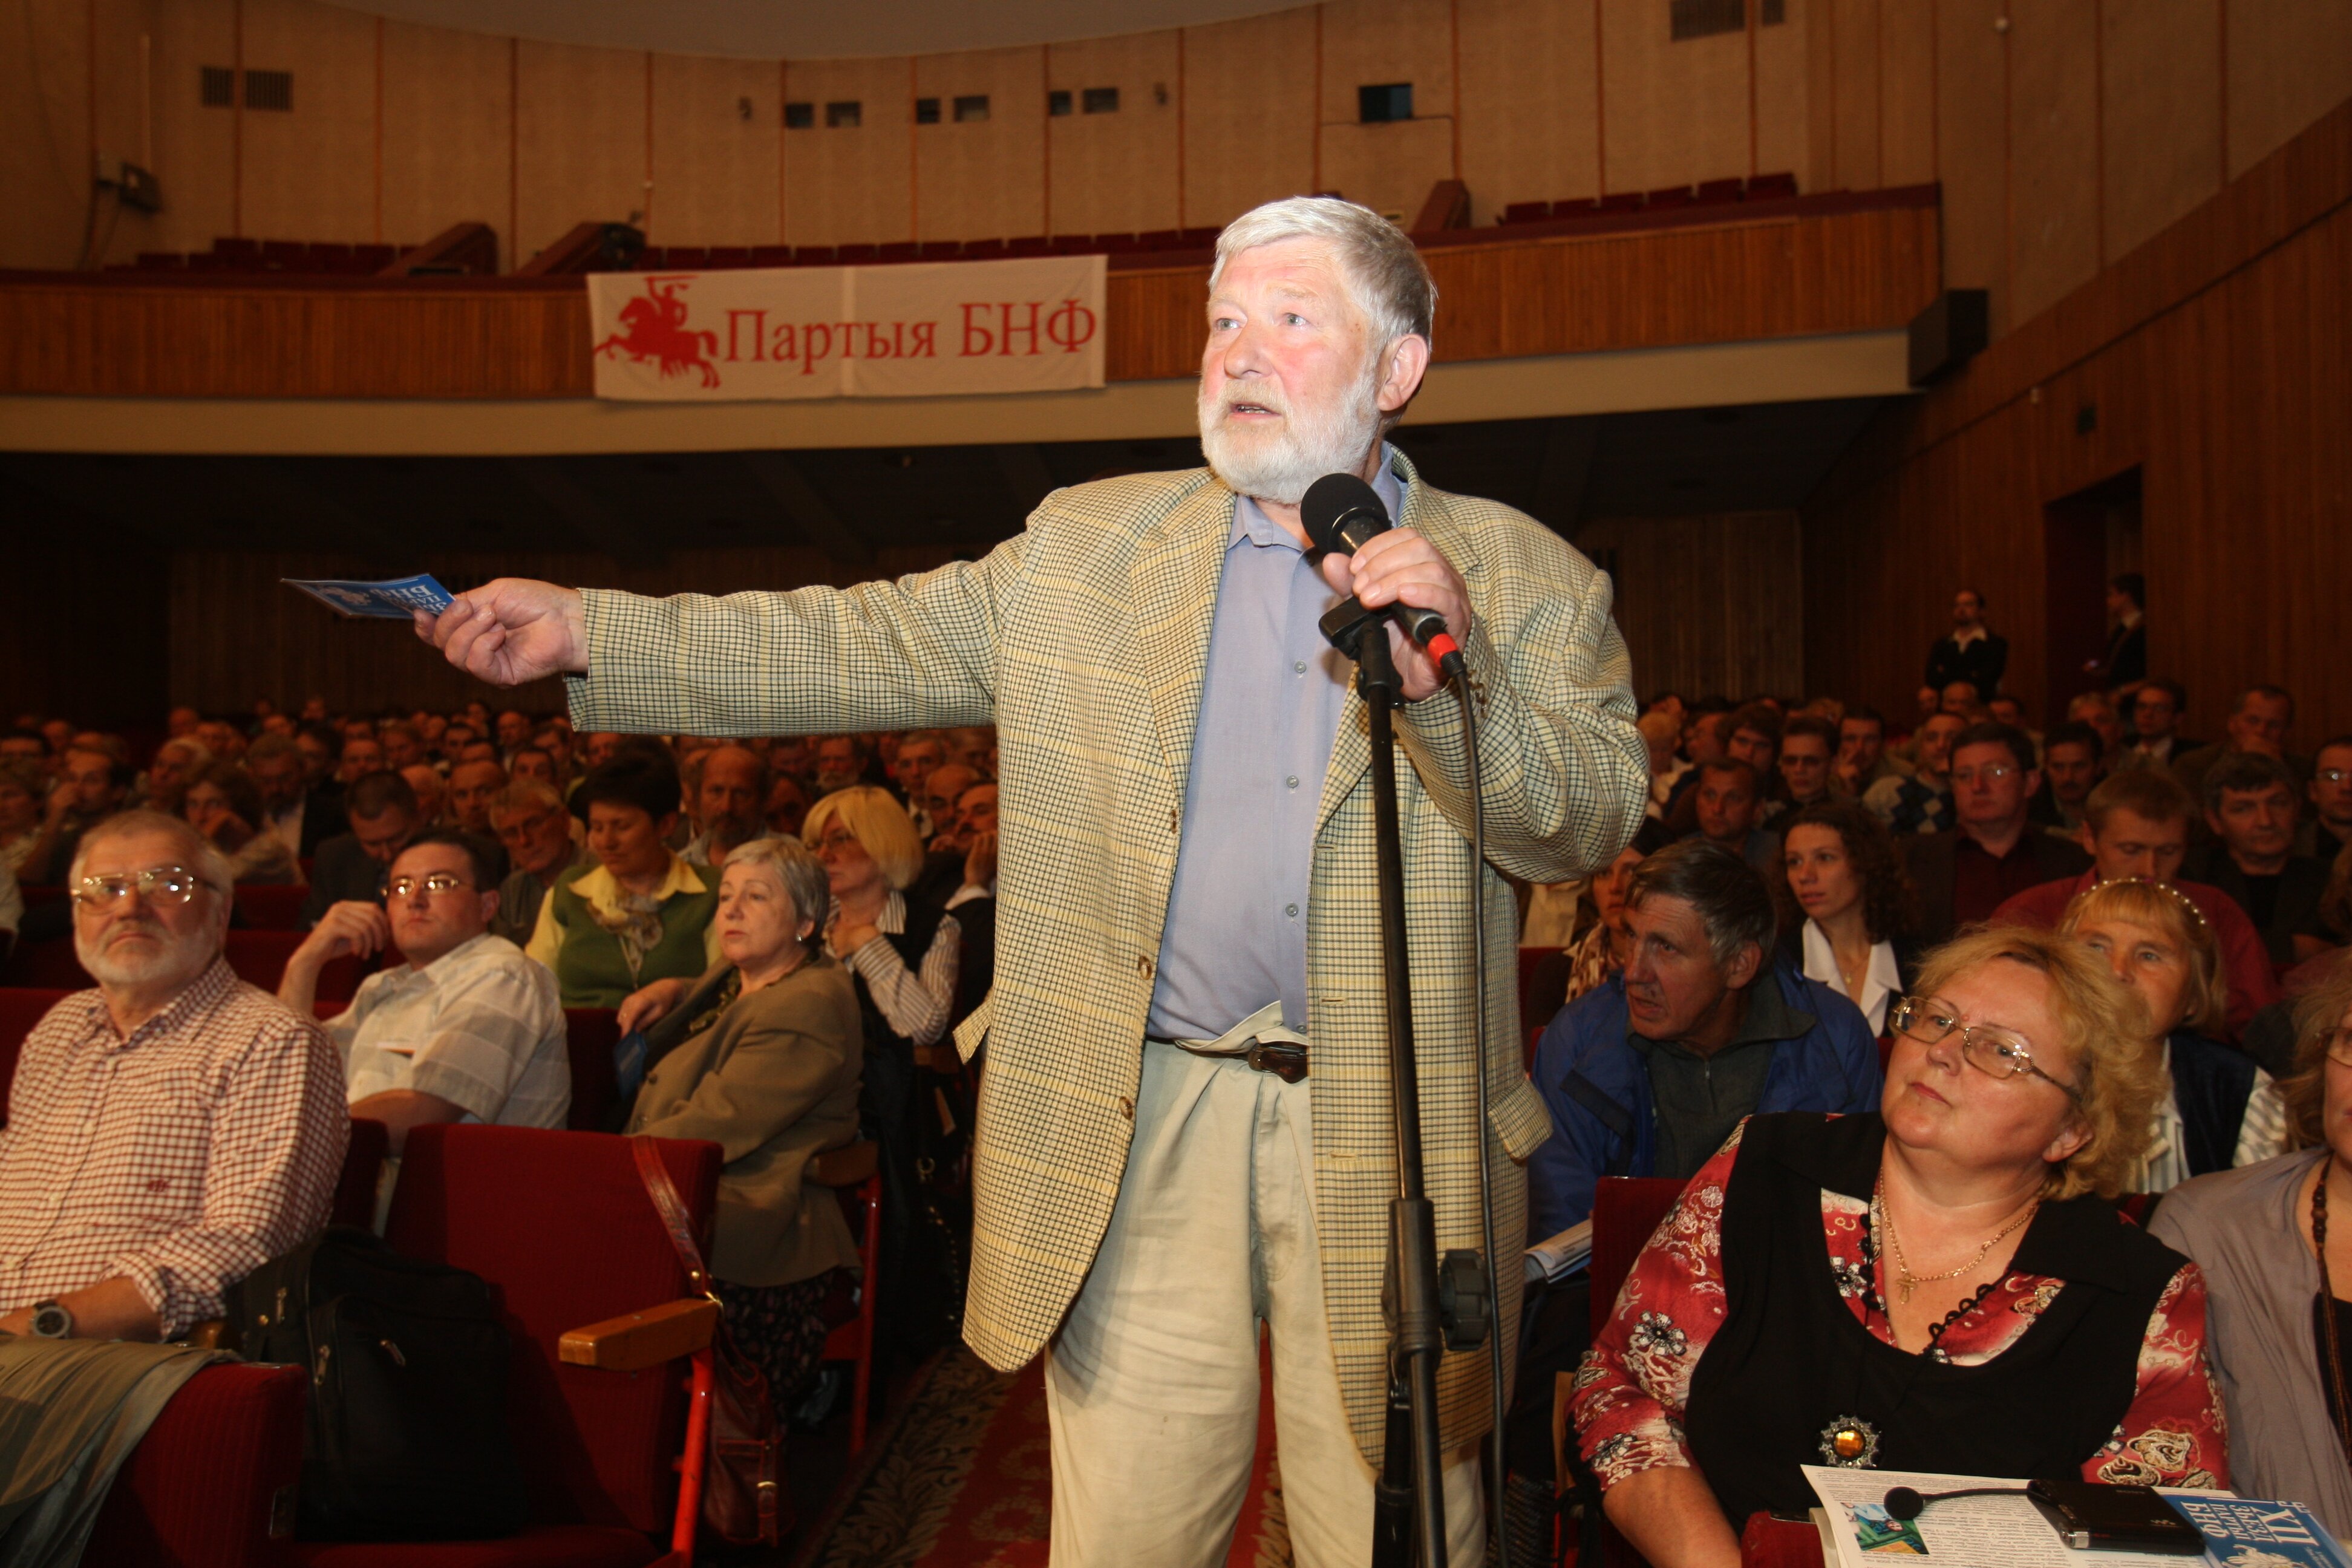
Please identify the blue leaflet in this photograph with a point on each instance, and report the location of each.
(2249, 1531)
(393, 600)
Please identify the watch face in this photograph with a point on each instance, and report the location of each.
(51, 1321)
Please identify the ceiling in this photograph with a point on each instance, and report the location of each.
(803, 30)
(399, 513)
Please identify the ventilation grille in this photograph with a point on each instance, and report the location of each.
(270, 90)
(216, 87)
(1705, 18)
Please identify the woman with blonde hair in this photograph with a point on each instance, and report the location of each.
(2220, 1109)
(2274, 1241)
(1943, 1286)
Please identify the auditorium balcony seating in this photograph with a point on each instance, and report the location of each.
(1706, 194)
(324, 258)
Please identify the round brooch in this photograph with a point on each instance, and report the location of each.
(1850, 1443)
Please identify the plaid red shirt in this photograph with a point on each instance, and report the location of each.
(181, 1158)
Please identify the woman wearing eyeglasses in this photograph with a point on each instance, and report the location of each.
(2274, 1241)
(1939, 1286)
(2219, 1109)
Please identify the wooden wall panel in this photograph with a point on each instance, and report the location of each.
(982, 180)
(2289, 64)
(1858, 59)
(1249, 133)
(309, 174)
(448, 134)
(2163, 116)
(1674, 112)
(1846, 271)
(1533, 132)
(44, 145)
(845, 184)
(1704, 601)
(1784, 95)
(1906, 94)
(2217, 359)
(2054, 237)
(1387, 167)
(580, 141)
(195, 146)
(1115, 174)
(716, 126)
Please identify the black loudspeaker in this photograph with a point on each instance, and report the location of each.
(618, 247)
(1949, 333)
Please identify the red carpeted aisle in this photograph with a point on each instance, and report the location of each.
(961, 1478)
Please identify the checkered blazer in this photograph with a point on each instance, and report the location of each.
(1085, 640)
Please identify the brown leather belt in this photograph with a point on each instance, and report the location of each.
(1286, 1059)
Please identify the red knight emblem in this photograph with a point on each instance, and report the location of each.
(654, 332)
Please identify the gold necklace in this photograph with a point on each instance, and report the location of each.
(1908, 1282)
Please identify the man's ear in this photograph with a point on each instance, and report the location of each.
(1408, 362)
(1742, 969)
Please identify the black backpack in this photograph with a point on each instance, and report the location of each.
(405, 1438)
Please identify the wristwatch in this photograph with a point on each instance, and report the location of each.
(52, 1322)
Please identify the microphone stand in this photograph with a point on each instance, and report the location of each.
(1408, 1498)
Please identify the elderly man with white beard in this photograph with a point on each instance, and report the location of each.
(1185, 1129)
(169, 1130)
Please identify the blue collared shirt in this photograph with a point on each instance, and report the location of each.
(1235, 937)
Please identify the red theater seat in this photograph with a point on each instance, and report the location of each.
(560, 1223)
(259, 958)
(1772, 187)
(200, 1489)
(983, 250)
(1527, 212)
(814, 256)
(1721, 190)
(269, 907)
(723, 258)
(850, 1172)
(856, 255)
(1625, 1210)
(772, 256)
(897, 250)
(363, 1167)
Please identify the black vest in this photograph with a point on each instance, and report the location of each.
(2210, 1085)
(1790, 1358)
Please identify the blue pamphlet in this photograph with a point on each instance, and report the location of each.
(2245, 1532)
(395, 600)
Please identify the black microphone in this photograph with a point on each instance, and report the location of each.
(1908, 1502)
(1341, 512)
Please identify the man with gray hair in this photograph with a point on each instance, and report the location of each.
(1185, 1130)
(169, 1130)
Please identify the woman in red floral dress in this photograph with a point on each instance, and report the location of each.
(1940, 1287)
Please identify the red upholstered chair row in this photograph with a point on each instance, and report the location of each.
(257, 956)
(261, 907)
(213, 1475)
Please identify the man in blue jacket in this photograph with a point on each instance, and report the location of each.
(1647, 1074)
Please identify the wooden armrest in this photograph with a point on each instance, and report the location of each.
(212, 1334)
(941, 1057)
(845, 1166)
(636, 1341)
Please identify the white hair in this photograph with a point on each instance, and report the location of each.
(1382, 269)
(195, 851)
(795, 866)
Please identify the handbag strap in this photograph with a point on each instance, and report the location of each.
(655, 1175)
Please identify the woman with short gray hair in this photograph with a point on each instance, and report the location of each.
(762, 1056)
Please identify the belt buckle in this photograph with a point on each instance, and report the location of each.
(1283, 1058)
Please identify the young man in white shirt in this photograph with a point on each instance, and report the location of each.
(467, 1029)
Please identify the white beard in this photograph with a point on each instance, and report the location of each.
(1278, 464)
(177, 957)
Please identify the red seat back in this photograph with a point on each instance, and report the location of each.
(1625, 1211)
(560, 1224)
(1530, 959)
(266, 908)
(362, 1166)
(259, 958)
(591, 1033)
(20, 1009)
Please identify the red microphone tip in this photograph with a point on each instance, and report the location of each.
(1443, 644)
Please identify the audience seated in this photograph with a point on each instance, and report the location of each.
(2138, 824)
(2072, 759)
(175, 762)
(295, 811)
(93, 786)
(1970, 652)
(1646, 1075)
(1862, 756)
(1590, 961)
(1991, 853)
(730, 791)
(1844, 906)
(467, 1029)
(903, 955)
(225, 804)
(2125, 659)
(2329, 792)
(1725, 807)
(2156, 709)
(2219, 1109)
(1809, 744)
(361, 755)
(762, 1056)
(537, 833)
(2259, 722)
(2270, 1259)
(2094, 709)
(26, 825)
(641, 913)
(12, 912)
(1921, 801)
(2016, 1103)
(841, 762)
(426, 782)
(910, 767)
(351, 866)
(170, 1130)
(2250, 806)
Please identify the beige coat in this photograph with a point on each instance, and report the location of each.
(773, 1081)
(1085, 640)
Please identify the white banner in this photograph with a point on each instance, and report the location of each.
(917, 329)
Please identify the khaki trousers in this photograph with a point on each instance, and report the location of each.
(1152, 1384)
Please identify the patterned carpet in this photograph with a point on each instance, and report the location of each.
(961, 1478)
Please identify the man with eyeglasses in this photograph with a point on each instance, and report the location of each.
(2330, 792)
(169, 1130)
(351, 868)
(536, 829)
(1991, 853)
(467, 1029)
